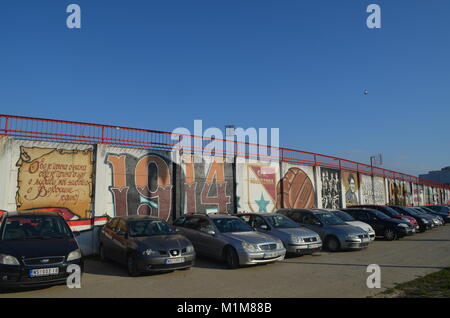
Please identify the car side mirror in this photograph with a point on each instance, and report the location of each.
(264, 227)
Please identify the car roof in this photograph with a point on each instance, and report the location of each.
(258, 213)
(138, 217)
(31, 213)
(210, 215)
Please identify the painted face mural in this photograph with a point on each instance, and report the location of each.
(208, 185)
(351, 187)
(141, 185)
(296, 190)
(55, 180)
(331, 188)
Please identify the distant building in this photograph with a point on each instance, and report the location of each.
(441, 176)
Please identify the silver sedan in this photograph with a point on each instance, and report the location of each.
(228, 238)
(296, 239)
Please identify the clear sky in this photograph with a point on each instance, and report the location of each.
(298, 65)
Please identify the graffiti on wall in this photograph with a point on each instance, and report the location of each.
(296, 189)
(331, 188)
(350, 183)
(366, 189)
(208, 185)
(379, 190)
(55, 178)
(141, 185)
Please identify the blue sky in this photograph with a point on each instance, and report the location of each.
(297, 65)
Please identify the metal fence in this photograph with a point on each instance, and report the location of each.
(69, 131)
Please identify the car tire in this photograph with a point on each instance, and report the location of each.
(132, 266)
(332, 244)
(389, 235)
(102, 253)
(231, 258)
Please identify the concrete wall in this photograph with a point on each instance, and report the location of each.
(88, 183)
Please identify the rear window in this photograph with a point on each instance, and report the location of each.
(34, 227)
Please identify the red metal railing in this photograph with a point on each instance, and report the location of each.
(70, 131)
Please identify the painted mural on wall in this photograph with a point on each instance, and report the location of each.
(55, 178)
(397, 192)
(330, 188)
(379, 189)
(141, 185)
(416, 194)
(409, 194)
(350, 185)
(296, 189)
(366, 189)
(256, 186)
(207, 185)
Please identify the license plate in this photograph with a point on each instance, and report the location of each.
(313, 245)
(43, 271)
(174, 260)
(270, 255)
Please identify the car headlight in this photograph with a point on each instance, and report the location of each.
(402, 225)
(8, 260)
(425, 221)
(296, 239)
(249, 247)
(189, 249)
(280, 245)
(74, 255)
(352, 236)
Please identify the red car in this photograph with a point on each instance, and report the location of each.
(391, 213)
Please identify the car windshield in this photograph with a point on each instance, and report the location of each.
(35, 227)
(329, 219)
(392, 211)
(149, 228)
(281, 222)
(414, 212)
(380, 215)
(225, 225)
(344, 216)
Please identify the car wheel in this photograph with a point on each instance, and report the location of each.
(102, 253)
(231, 258)
(132, 267)
(389, 234)
(332, 244)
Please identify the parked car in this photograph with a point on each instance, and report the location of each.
(335, 233)
(145, 244)
(296, 239)
(436, 219)
(384, 226)
(392, 213)
(228, 238)
(35, 249)
(438, 208)
(347, 218)
(445, 216)
(425, 222)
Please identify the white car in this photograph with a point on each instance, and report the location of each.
(347, 218)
